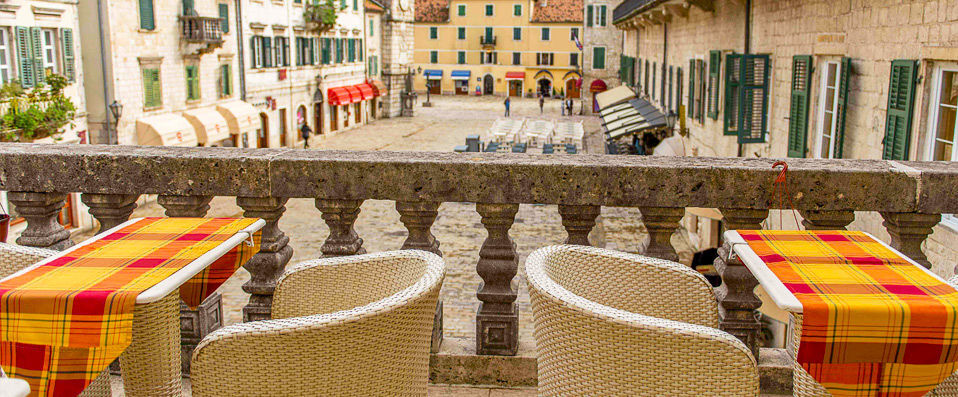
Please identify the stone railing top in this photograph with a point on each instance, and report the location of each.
(869, 185)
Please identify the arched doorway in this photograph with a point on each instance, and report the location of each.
(488, 84)
(544, 87)
(300, 122)
(572, 88)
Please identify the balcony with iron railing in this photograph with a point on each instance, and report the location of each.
(909, 196)
(487, 41)
(202, 30)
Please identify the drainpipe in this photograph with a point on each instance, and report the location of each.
(748, 49)
(240, 49)
(106, 85)
(665, 59)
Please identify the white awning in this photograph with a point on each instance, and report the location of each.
(165, 130)
(240, 116)
(209, 124)
(614, 96)
(435, 77)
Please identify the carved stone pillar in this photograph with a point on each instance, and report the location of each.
(661, 222)
(268, 264)
(497, 321)
(418, 217)
(908, 230)
(340, 216)
(110, 210)
(736, 296)
(185, 206)
(212, 306)
(41, 210)
(826, 220)
(578, 221)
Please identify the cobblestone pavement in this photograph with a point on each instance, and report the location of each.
(458, 226)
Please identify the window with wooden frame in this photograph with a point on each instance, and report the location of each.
(645, 85)
(147, 21)
(224, 14)
(801, 85)
(49, 51)
(517, 34)
(516, 58)
(461, 57)
(433, 57)
(598, 58)
(832, 104)
(715, 63)
(226, 81)
(943, 120)
(433, 32)
(152, 90)
(746, 96)
(461, 10)
(545, 34)
(517, 10)
(6, 72)
(192, 82)
(898, 115)
(490, 10)
(460, 33)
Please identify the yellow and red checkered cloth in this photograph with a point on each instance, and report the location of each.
(874, 324)
(64, 322)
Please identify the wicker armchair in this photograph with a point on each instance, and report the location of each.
(13, 258)
(349, 326)
(615, 324)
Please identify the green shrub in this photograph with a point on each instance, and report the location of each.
(36, 114)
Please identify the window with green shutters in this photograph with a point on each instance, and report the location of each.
(433, 57)
(433, 32)
(901, 102)
(36, 48)
(147, 21)
(152, 92)
(326, 56)
(691, 108)
(192, 83)
(461, 33)
(715, 61)
(602, 11)
(372, 30)
(355, 5)
(224, 10)
(833, 99)
(226, 81)
(589, 15)
(489, 10)
(25, 57)
(517, 10)
(351, 50)
(461, 10)
(488, 34)
(339, 50)
(517, 33)
(69, 56)
(545, 34)
(798, 109)
(598, 58)
(359, 50)
(462, 57)
(267, 51)
(746, 96)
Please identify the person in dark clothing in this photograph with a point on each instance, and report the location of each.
(507, 102)
(542, 102)
(305, 131)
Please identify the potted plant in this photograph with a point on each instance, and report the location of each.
(38, 114)
(320, 16)
(4, 224)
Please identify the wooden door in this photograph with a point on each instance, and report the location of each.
(435, 87)
(318, 117)
(333, 118)
(571, 89)
(283, 127)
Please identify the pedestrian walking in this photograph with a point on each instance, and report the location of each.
(571, 104)
(305, 131)
(542, 102)
(563, 107)
(507, 102)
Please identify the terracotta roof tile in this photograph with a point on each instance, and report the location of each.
(435, 10)
(373, 6)
(557, 11)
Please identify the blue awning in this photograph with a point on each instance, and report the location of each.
(460, 74)
(432, 72)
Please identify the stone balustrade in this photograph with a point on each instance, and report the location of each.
(908, 195)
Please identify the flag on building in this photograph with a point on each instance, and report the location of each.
(577, 42)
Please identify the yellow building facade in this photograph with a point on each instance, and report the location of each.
(498, 47)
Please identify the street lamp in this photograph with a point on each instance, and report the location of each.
(116, 109)
(670, 120)
(427, 104)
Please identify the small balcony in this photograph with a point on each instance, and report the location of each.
(487, 41)
(202, 30)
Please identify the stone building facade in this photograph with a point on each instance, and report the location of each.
(501, 47)
(170, 66)
(823, 79)
(600, 38)
(397, 52)
(39, 38)
(374, 52)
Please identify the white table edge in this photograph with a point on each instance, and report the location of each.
(175, 280)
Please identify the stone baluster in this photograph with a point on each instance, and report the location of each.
(194, 324)
(41, 210)
(418, 217)
(908, 230)
(340, 216)
(578, 221)
(110, 210)
(736, 296)
(661, 222)
(826, 220)
(268, 264)
(497, 321)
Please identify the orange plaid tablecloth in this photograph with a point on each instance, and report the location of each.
(64, 322)
(874, 323)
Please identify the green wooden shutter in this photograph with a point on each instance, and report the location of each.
(286, 51)
(69, 67)
(356, 5)
(589, 15)
(733, 70)
(152, 94)
(146, 15)
(598, 58)
(227, 80)
(715, 59)
(901, 101)
(842, 107)
(691, 108)
(798, 110)
(188, 8)
(359, 49)
(36, 44)
(754, 99)
(299, 51)
(24, 55)
(224, 17)
(267, 51)
(191, 86)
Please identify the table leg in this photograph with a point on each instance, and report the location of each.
(151, 365)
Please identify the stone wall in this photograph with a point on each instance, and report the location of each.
(871, 33)
(600, 36)
(397, 50)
